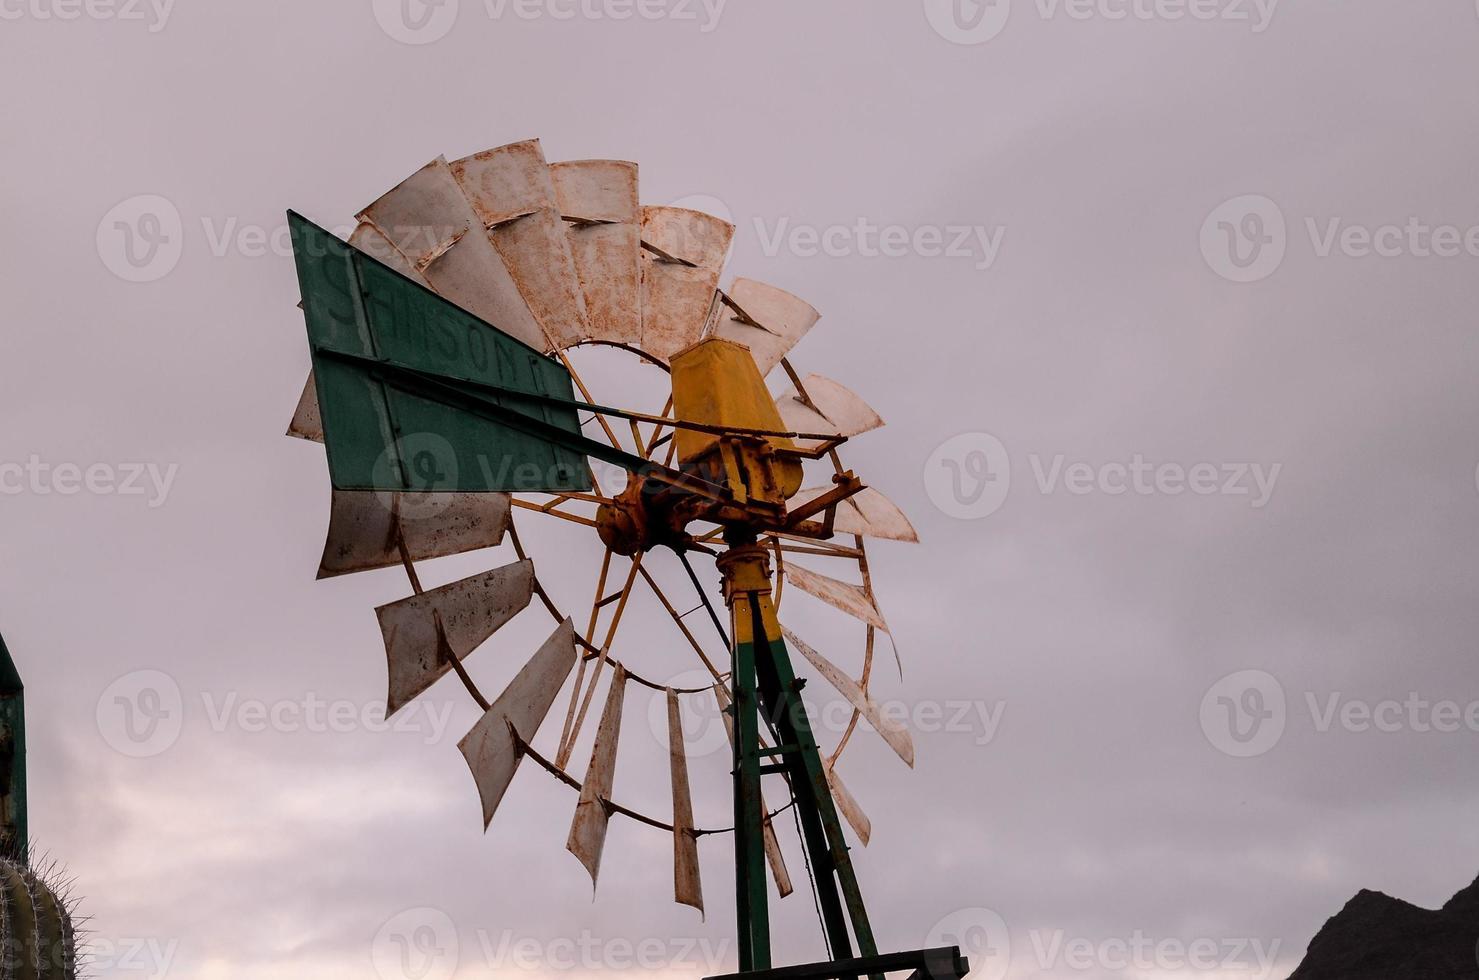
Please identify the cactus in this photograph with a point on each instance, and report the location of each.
(37, 938)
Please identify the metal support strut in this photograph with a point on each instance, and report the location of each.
(766, 689)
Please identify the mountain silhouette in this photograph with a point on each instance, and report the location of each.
(1377, 937)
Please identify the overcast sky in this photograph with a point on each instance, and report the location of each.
(1169, 309)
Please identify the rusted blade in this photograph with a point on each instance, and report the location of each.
(431, 222)
(687, 890)
(588, 829)
(773, 855)
(834, 409)
(366, 527)
(679, 279)
(769, 321)
(491, 751)
(868, 513)
(598, 200)
(894, 733)
(513, 195)
(422, 632)
(774, 858)
(307, 423)
(372, 241)
(851, 599)
(853, 813)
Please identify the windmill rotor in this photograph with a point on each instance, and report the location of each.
(446, 335)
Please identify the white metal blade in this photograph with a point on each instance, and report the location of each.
(372, 241)
(868, 513)
(431, 222)
(490, 749)
(513, 195)
(588, 830)
(687, 889)
(770, 321)
(851, 599)
(598, 200)
(367, 526)
(423, 631)
(894, 733)
(774, 857)
(307, 423)
(678, 291)
(834, 409)
(853, 813)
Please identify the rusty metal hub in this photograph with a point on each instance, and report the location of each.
(622, 523)
(641, 517)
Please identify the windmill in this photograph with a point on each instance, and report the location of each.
(445, 392)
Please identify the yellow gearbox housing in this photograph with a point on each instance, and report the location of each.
(716, 383)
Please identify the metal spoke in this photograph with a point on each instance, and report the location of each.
(590, 632)
(657, 428)
(698, 587)
(601, 659)
(815, 546)
(852, 723)
(682, 626)
(585, 392)
(564, 495)
(637, 438)
(552, 511)
(590, 650)
(780, 571)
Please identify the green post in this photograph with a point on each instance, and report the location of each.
(751, 899)
(780, 695)
(766, 690)
(14, 832)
